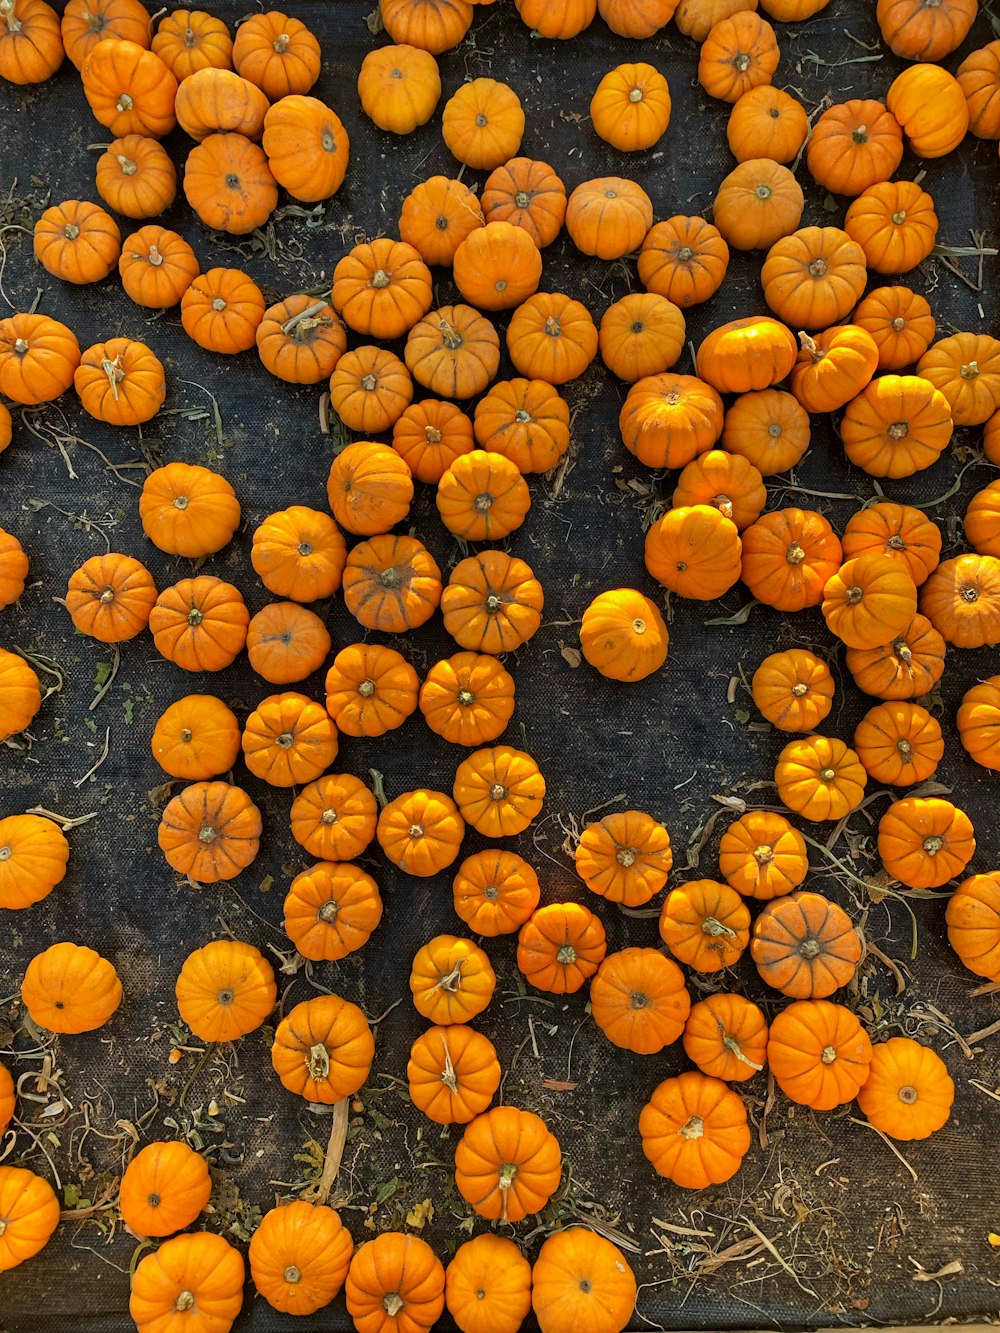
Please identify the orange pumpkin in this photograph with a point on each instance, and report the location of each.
(925, 841)
(188, 40)
(430, 436)
(895, 224)
(747, 354)
(156, 267)
(581, 1280)
(695, 552)
(898, 425)
(289, 739)
(369, 488)
(738, 53)
(391, 584)
(788, 557)
(978, 722)
(331, 910)
(973, 917)
(906, 667)
(705, 925)
(69, 989)
(757, 203)
(683, 259)
(908, 1093)
(110, 598)
(905, 534)
(222, 311)
(120, 382)
(814, 277)
(482, 123)
(395, 1283)
(726, 1037)
(962, 600)
(527, 421)
(13, 569)
(488, 1285)
(453, 351)
(694, 1130)
(421, 831)
(560, 946)
(31, 48)
(197, 1272)
(624, 857)
(636, 18)
(436, 217)
(200, 624)
(299, 1256)
(452, 1074)
(130, 90)
(217, 101)
(307, 147)
(766, 122)
(930, 106)
(468, 698)
(667, 420)
(853, 145)
(431, 25)
(918, 31)
(901, 323)
(299, 553)
(369, 390)
(399, 87)
(196, 738)
(370, 689)
(381, 288)
(497, 266)
(868, 600)
(482, 497)
(833, 367)
(642, 334)
(793, 689)
(979, 79)
(805, 946)
(28, 1203)
(551, 337)
(499, 790)
(899, 743)
(278, 53)
(87, 22)
(965, 367)
(228, 183)
(769, 428)
(136, 177)
(561, 19)
(300, 340)
(164, 1189)
(210, 831)
(34, 853)
(639, 1000)
(495, 892)
(188, 510)
(225, 990)
(608, 217)
(77, 242)
(820, 777)
(20, 694)
(286, 643)
(451, 980)
(334, 817)
(492, 603)
(323, 1049)
(623, 635)
(819, 1053)
(631, 107)
(529, 195)
(507, 1164)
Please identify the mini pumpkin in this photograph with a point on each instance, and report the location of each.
(381, 288)
(468, 698)
(909, 665)
(197, 1272)
(497, 266)
(930, 105)
(527, 421)
(560, 946)
(453, 351)
(210, 831)
(667, 420)
(728, 482)
(499, 790)
(820, 778)
(639, 1000)
(391, 584)
(895, 224)
(299, 1256)
(331, 910)
(369, 488)
(739, 53)
(399, 87)
(899, 743)
(530, 195)
(962, 600)
(495, 892)
(452, 1074)
(979, 79)
(581, 1280)
(853, 145)
(624, 857)
(924, 841)
(334, 817)
(631, 107)
(432, 26)
(982, 521)
(683, 259)
(642, 334)
(289, 739)
(200, 624)
(973, 917)
(965, 367)
(196, 738)
(869, 599)
(695, 552)
(551, 337)
(978, 722)
(87, 22)
(896, 530)
(608, 217)
(225, 990)
(507, 1164)
(421, 831)
(31, 48)
(299, 553)
(307, 147)
(482, 497)
(20, 694)
(814, 277)
(793, 689)
(451, 980)
(188, 40)
(69, 988)
(757, 203)
(488, 1285)
(636, 18)
(286, 643)
(436, 217)
(188, 510)
(482, 123)
(726, 1037)
(165, 1188)
(129, 89)
(694, 1130)
(222, 311)
(228, 183)
(805, 946)
(300, 340)
(492, 603)
(623, 635)
(323, 1049)
(110, 597)
(922, 32)
(77, 242)
(561, 19)
(766, 122)
(898, 425)
(370, 689)
(278, 53)
(395, 1282)
(705, 925)
(217, 101)
(13, 569)
(34, 854)
(833, 367)
(908, 1093)
(369, 389)
(121, 382)
(136, 177)
(156, 267)
(819, 1053)
(767, 427)
(28, 1204)
(901, 323)
(431, 435)
(38, 356)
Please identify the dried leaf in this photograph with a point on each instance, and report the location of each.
(420, 1214)
(571, 655)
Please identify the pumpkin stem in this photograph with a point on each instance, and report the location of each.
(450, 336)
(854, 595)
(899, 217)
(114, 372)
(71, 231)
(195, 616)
(827, 774)
(635, 95)
(626, 856)
(21, 345)
(483, 502)
(13, 25)
(391, 577)
(817, 269)
(327, 141)
(774, 430)
(207, 834)
(466, 698)
(895, 543)
(448, 1076)
(714, 927)
(898, 430)
(829, 1054)
(415, 831)
(128, 167)
(380, 278)
(553, 327)
(736, 1050)
(809, 345)
(763, 191)
(907, 1094)
(432, 435)
(968, 593)
(124, 103)
(933, 844)
(521, 417)
(492, 604)
(181, 501)
(226, 996)
(293, 1274)
(639, 1000)
(566, 955)
(369, 382)
(328, 912)
(897, 324)
(742, 62)
(451, 981)
(154, 257)
(318, 1062)
(107, 596)
(508, 1174)
(638, 625)
(903, 651)
(693, 1128)
(184, 1302)
(281, 43)
(284, 741)
(724, 505)
(392, 1303)
(764, 854)
(970, 371)
(5, 852)
(810, 948)
(190, 38)
(329, 816)
(367, 688)
(304, 321)
(905, 749)
(799, 689)
(795, 554)
(498, 792)
(860, 134)
(685, 254)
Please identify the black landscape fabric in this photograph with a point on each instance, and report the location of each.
(825, 1224)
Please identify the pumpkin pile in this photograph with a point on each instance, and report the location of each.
(430, 412)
